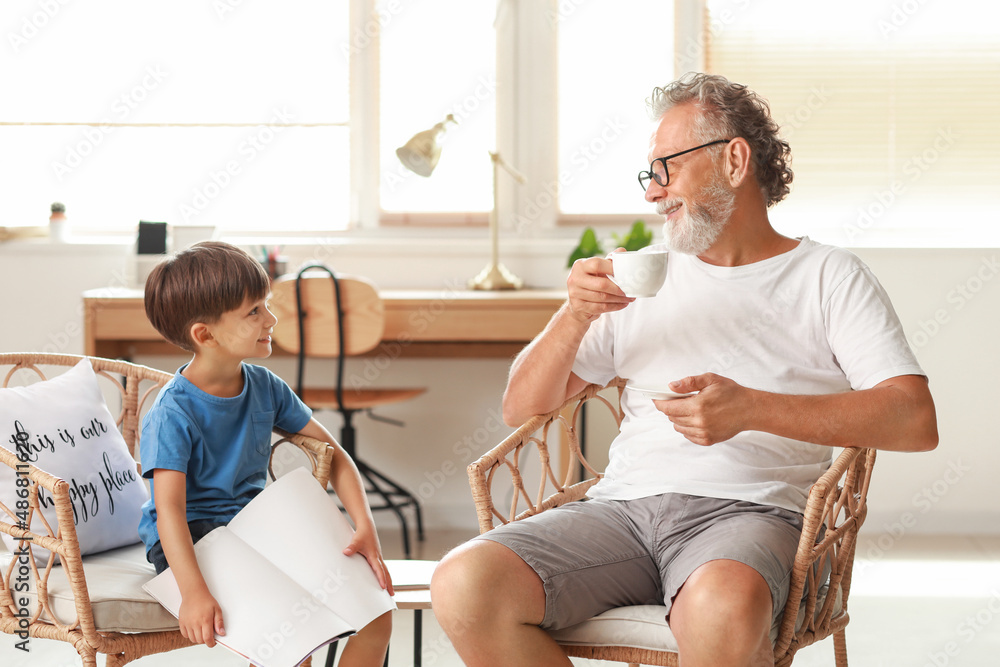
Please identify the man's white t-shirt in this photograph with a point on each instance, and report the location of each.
(813, 320)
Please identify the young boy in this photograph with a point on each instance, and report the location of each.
(206, 439)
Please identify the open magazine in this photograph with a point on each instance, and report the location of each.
(279, 573)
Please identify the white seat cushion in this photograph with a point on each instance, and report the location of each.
(645, 627)
(639, 626)
(114, 581)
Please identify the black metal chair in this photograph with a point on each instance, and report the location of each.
(321, 314)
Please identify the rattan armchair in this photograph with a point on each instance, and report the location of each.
(96, 602)
(821, 576)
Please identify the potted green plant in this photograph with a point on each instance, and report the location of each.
(637, 237)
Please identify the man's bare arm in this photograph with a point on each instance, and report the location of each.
(541, 377)
(896, 415)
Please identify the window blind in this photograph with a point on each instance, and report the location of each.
(890, 109)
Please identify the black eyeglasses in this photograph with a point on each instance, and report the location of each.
(658, 167)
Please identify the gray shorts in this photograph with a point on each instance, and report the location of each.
(599, 554)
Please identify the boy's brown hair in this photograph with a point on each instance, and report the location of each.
(199, 284)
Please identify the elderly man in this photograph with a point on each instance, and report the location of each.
(791, 348)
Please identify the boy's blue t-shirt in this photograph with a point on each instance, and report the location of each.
(222, 445)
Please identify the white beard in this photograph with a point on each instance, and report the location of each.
(702, 222)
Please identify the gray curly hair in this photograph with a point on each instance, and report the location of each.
(732, 110)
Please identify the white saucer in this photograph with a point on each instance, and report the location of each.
(660, 394)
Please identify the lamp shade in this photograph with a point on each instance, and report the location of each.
(421, 153)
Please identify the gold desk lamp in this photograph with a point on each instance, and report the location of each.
(420, 155)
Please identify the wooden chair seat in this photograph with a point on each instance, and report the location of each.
(325, 398)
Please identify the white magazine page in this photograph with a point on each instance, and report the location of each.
(268, 618)
(297, 525)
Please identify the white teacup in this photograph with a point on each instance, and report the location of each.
(639, 273)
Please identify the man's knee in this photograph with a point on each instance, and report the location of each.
(483, 578)
(723, 599)
(729, 584)
(458, 574)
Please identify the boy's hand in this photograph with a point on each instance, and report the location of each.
(365, 542)
(201, 618)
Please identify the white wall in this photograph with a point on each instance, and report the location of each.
(947, 299)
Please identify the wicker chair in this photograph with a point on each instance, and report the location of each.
(113, 615)
(821, 576)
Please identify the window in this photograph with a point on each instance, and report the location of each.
(224, 113)
(566, 87)
(429, 69)
(604, 126)
(285, 117)
(890, 109)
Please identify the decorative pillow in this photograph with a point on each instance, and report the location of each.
(64, 427)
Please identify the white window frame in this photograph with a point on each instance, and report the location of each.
(527, 119)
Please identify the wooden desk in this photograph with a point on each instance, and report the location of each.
(419, 323)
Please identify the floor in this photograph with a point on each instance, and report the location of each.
(916, 601)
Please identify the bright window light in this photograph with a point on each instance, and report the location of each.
(230, 114)
(611, 56)
(887, 109)
(926, 578)
(437, 58)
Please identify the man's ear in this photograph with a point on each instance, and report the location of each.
(738, 163)
(201, 335)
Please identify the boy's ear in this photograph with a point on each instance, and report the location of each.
(201, 335)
